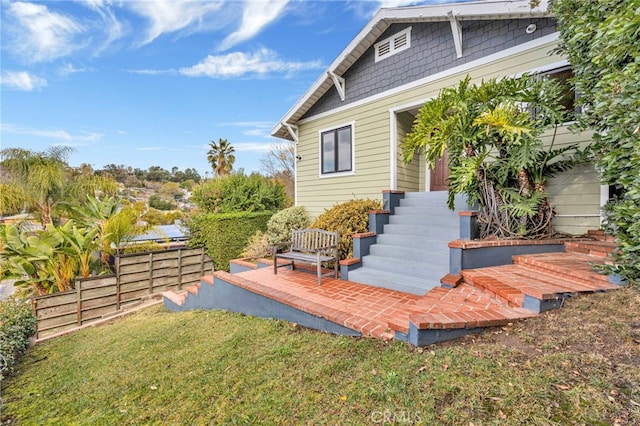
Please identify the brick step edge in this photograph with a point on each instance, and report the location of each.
(177, 298)
(599, 235)
(494, 287)
(469, 319)
(563, 272)
(592, 248)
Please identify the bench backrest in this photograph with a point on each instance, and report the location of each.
(313, 239)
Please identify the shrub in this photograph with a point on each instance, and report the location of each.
(257, 246)
(283, 222)
(17, 324)
(225, 235)
(238, 192)
(348, 218)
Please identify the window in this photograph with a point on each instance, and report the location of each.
(336, 150)
(563, 76)
(394, 44)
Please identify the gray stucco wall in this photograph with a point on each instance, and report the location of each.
(432, 50)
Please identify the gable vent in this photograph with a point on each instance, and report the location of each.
(392, 45)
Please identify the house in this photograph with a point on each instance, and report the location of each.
(349, 124)
(417, 277)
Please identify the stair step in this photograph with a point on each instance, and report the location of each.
(573, 266)
(393, 280)
(177, 298)
(592, 248)
(414, 254)
(435, 232)
(419, 242)
(422, 269)
(599, 235)
(425, 219)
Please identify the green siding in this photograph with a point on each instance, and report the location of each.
(577, 191)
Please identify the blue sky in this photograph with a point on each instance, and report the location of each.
(151, 83)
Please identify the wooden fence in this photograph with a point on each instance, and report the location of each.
(138, 277)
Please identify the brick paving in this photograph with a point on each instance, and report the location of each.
(481, 297)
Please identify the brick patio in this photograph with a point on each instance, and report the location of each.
(483, 297)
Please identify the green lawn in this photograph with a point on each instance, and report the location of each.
(577, 365)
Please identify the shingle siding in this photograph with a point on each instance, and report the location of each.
(432, 50)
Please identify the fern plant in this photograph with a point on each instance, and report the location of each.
(492, 132)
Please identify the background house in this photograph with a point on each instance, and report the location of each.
(349, 124)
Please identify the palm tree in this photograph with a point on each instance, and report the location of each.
(34, 181)
(221, 157)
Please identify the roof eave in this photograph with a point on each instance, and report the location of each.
(387, 16)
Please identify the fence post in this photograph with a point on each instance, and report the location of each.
(150, 272)
(201, 261)
(79, 301)
(179, 269)
(117, 282)
(34, 308)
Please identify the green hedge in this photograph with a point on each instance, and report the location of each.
(225, 235)
(17, 324)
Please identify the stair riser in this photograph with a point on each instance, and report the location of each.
(435, 232)
(431, 271)
(411, 254)
(420, 243)
(448, 221)
(424, 211)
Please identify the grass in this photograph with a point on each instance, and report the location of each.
(577, 365)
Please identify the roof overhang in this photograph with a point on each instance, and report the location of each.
(383, 19)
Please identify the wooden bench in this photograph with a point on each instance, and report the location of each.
(311, 246)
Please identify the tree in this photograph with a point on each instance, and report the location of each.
(238, 192)
(35, 181)
(602, 42)
(279, 163)
(495, 154)
(221, 157)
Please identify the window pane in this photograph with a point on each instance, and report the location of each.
(328, 152)
(344, 149)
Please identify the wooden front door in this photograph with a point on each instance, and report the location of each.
(439, 175)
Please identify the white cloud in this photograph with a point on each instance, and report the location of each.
(68, 68)
(255, 16)
(40, 35)
(22, 80)
(168, 16)
(112, 27)
(236, 64)
(252, 147)
(59, 134)
(252, 128)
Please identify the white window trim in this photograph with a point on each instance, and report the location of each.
(392, 49)
(351, 172)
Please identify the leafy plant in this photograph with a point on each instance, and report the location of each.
(602, 41)
(495, 154)
(283, 222)
(17, 324)
(225, 235)
(347, 218)
(257, 246)
(238, 192)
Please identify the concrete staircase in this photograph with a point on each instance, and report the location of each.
(477, 298)
(412, 254)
